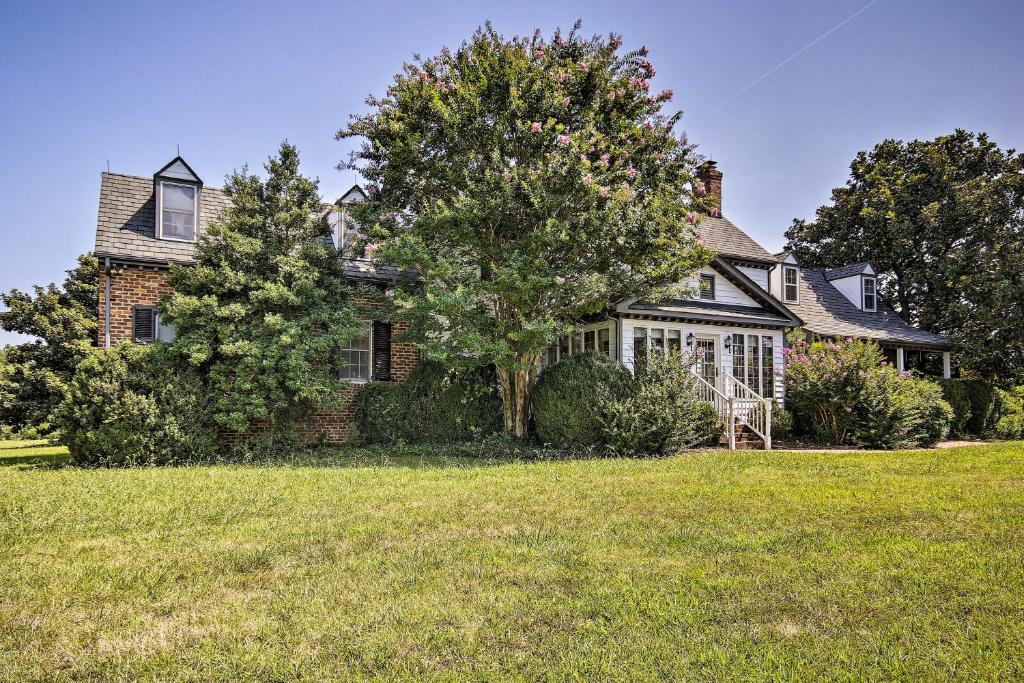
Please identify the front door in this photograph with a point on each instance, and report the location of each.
(707, 359)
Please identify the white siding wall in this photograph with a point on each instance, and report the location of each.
(758, 275)
(725, 291)
(850, 288)
(725, 356)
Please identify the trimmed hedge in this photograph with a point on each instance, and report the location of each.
(1011, 422)
(136, 405)
(571, 398)
(433, 405)
(985, 406)
(957, 396)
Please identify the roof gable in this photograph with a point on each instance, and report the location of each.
(178, 169)
(722, 236)
(862, 268)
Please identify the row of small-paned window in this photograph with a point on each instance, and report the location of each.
(588, 341)
(753, 362)
(753, 356)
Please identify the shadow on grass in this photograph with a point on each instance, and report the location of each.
(39, 461)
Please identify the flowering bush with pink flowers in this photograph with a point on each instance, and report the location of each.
(844, 393)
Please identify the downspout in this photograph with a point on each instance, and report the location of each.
(106, 304)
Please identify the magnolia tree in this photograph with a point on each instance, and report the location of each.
(529, 182)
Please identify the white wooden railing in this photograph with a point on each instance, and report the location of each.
(733, 400)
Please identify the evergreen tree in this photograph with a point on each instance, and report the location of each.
(529, 182)
(63, 320)
(264, 311)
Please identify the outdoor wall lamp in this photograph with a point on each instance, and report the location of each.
(689, 339)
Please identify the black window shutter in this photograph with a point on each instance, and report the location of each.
(144, 324)
(381, 351)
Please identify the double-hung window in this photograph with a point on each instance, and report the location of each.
(870, 296)
(178, 211)
(790, 290)
(357, 356)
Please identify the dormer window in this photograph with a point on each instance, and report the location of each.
(790, 289)
(178, 211)
(870, 296)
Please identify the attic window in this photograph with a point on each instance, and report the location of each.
(178, 208)
(870, 298)
(790, 291)
(707, 287)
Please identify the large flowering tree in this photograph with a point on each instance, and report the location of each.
(529, 182)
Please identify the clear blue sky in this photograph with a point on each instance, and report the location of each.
(84, 83)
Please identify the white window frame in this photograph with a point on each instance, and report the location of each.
(160, 211)
(369, 365)
(796, 285)
(576, 343)
(710, 277)
(864, 293)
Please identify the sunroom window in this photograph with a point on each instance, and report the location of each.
(178, 211)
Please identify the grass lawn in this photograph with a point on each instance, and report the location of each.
(853, 566)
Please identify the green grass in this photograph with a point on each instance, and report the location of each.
(719, 565)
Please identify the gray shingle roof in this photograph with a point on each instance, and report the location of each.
(846, 271)
(126, 225)
(827, 312)
(725, 238)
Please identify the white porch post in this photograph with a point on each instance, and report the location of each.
(899, 358)
(947, 364)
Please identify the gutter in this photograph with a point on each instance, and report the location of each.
(106, 303)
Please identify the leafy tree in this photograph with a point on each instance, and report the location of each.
(943, 220)
(529, 182)
(63, 321)
(264, 311)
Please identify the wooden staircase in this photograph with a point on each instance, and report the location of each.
(746, 415)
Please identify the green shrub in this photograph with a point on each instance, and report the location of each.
(956, 395)
(433, 405)
(571, 398)
(662, 413)
(782, 421)
(985, 406)
(1011, 422)
(844, 394)
(135, 405)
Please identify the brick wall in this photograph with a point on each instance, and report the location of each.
(129, 286)
(143, 286)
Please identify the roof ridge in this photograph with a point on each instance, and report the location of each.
(133, 176)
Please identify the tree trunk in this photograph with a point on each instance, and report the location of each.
(516, 390)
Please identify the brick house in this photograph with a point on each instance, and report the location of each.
(742, 304)
(145, 223)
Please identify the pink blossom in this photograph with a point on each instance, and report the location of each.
(566, 101)
(371, 248)
(649, 125)
(605, 158)
(691, 218)
(583, 158)
(584, 67)
(615, 43)
(715, 213)
(603, 191)
(643, 52)
(536, 127)
(588, 179)
(665, 95)
(630, 172)
(625, 186)
(560, 280)
(564, 139)
(562, 76)
(538, 53)
(559, 40)
(699, 189)
(640, 84)
(848, 409)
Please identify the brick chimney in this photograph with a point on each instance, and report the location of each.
(709, 174)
